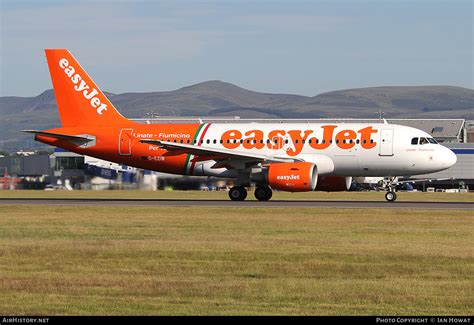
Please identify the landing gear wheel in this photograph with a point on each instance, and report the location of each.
(263, 193)
(237, 193)
(390, 196)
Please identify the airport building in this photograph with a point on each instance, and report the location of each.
(64, 170)
(461, 175)
(68, 170)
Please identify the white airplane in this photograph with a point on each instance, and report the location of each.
(292, 157)
(305, 157)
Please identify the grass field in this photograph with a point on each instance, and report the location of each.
(188, 261)
(222, 195)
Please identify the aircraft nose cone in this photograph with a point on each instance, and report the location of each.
(443, 159)
(447, 158)
(450, 158)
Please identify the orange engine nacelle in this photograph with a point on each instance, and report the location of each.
(334, 183)
(293, 177)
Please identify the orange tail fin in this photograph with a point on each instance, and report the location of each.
(80, 101)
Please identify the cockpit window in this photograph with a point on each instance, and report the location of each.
(414, 141)
(423, 141)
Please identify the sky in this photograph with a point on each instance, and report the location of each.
(296, 47)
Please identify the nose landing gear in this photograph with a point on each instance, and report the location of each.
(390, 196)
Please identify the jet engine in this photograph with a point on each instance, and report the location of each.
(290, 177)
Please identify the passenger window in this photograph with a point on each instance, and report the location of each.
(414, 141)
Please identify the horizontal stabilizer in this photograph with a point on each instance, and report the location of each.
(59, 135)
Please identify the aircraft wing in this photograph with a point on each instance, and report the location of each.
(59, 135)
(217, 154)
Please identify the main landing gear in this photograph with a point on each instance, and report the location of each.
(239, 193)
(263, 193)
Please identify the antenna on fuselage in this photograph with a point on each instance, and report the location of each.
(152, 115)
(380, 113)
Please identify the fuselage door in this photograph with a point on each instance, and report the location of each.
(386, 142)
(125, 142)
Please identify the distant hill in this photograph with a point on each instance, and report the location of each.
(214, 98)
(409, 102)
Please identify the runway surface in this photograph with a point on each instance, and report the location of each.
(248, 204)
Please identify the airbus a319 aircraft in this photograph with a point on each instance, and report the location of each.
(292, 157)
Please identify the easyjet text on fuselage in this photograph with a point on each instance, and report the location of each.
(257, 139)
